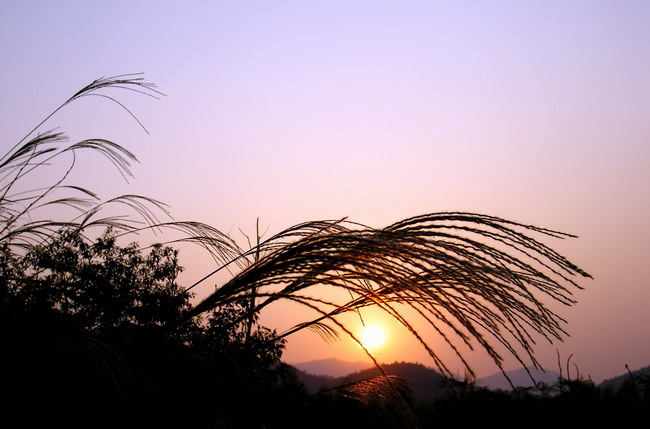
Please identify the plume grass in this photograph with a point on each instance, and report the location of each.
(26, 213)
(483, 278)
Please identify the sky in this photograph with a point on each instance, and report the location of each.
(288, 111)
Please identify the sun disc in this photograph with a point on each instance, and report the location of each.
(372, 337)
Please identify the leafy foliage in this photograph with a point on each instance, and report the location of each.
(226, 332)
(94, 327)
(100, 286)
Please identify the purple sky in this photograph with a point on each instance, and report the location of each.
(291, 111)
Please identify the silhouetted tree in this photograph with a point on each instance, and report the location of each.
(92, 328)
(99, 286)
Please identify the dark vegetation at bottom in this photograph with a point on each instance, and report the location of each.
(565, 402)
(159, 384)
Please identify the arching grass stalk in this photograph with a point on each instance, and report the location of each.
(22, 223)
(485, 278)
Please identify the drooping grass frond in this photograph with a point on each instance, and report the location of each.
(32, 234)
(130, 82)
(472, 278)
(375, 389)
(242, 258)
(119, 156)
(388, 396)
(35, 148)
(26, 211)
(219, 245)
(326, 332)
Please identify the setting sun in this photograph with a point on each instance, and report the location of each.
(372, 337)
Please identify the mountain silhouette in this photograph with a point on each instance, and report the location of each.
(519, 378)
(615, 383)
(424, 383)
(331, 367)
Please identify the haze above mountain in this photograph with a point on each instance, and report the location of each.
(423, 382)
(338, 368)
(330, 372)
(524, 377)
(331, 367)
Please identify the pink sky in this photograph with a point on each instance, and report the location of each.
(293, 111)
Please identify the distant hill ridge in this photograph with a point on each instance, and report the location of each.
(519, 378)
(336, 368)
(424, 382)
(616, 382)
(331, 367)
